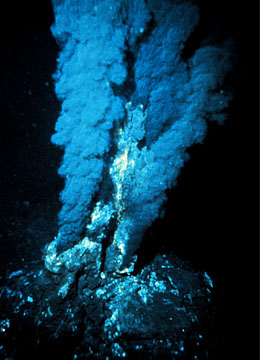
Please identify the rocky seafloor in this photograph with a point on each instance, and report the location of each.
(76, 311)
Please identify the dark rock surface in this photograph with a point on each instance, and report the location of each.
(157, 313)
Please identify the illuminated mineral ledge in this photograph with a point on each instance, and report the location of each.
(100, 219)
(123, 169)
(72, 259)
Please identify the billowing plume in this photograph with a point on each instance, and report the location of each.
(131, 106)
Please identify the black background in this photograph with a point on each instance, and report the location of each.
(211, 218)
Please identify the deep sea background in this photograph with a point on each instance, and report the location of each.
(212, 215)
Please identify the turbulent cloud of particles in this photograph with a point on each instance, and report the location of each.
(131, 106)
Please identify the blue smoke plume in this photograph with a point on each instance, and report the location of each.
(131, 106)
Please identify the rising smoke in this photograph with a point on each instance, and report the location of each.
(131, 105)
